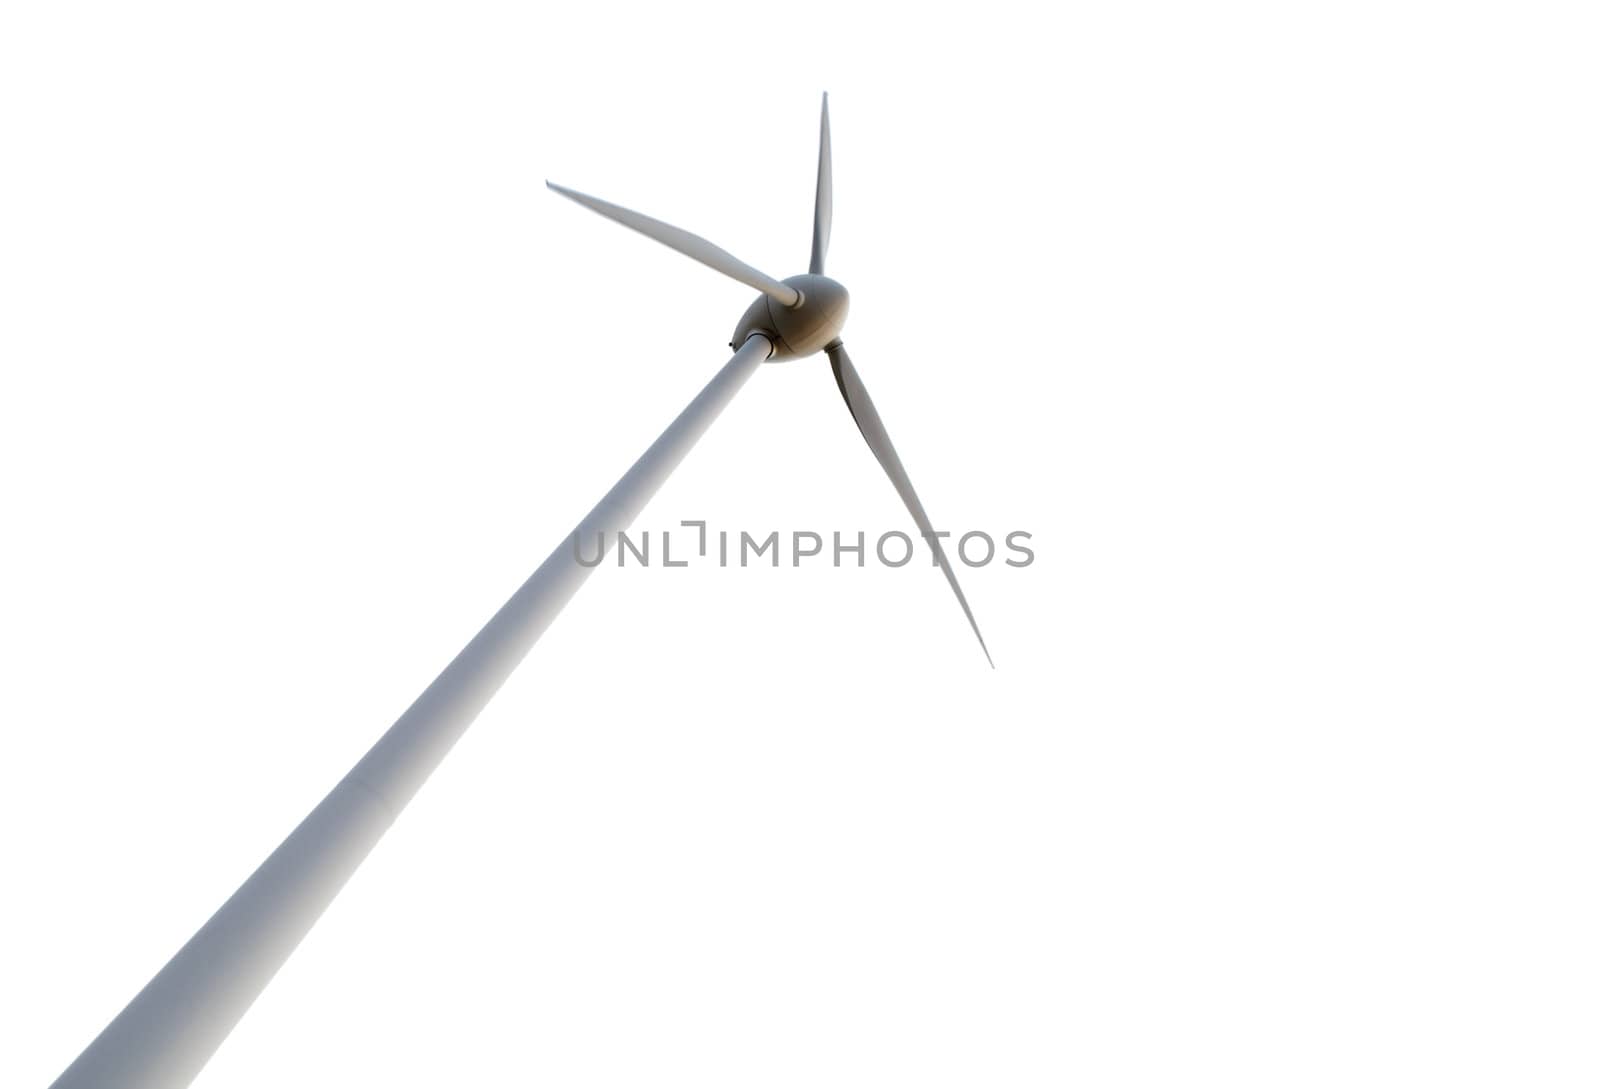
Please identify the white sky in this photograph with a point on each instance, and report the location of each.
(1276, 328)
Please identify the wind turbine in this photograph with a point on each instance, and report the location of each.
(163, 1037)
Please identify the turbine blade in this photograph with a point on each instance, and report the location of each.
(822, 221)
(872, 429)
(690, 245)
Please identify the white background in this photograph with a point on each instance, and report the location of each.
(1274, 324)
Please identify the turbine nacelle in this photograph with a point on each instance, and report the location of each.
(808, 326)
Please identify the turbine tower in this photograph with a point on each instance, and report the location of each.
(163, 1037)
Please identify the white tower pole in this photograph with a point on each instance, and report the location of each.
(165, 1035)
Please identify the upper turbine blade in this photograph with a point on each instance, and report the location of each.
(822, 222)
(690, 245)
(872, 429)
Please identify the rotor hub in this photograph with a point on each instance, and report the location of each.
(797, 331)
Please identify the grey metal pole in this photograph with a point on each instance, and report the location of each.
(165, 1035)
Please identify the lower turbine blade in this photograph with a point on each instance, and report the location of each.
(872, 429)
